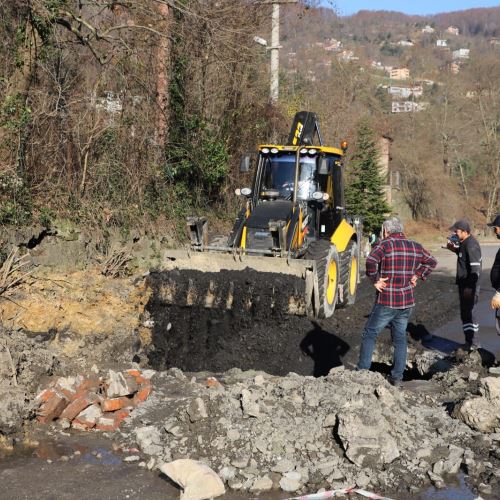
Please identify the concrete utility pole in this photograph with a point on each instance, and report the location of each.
(275, 45)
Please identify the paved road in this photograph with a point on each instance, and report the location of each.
(450, 335)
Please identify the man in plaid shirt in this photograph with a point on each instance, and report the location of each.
(394, 266)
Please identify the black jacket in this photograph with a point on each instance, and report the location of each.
(469, 262)
(495, 273)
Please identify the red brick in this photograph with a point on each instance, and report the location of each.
(212, 382)
(77, 406)
(44, 396)
(89, 383)
(120, 416)
(142, 380)
(142, 394)
(114, 404)
(134, 372)
(52, 408)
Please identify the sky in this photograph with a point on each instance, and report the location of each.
(421, 7)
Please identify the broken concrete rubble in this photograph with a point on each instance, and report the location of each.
(309, 433)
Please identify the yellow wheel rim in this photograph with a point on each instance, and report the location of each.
(331, 288)
(353, 277)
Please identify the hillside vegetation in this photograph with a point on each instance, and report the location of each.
(135, 113)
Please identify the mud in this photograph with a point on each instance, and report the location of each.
(265, 338)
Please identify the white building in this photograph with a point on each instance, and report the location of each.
(408, 106)
(347, 55)
(453, 30)
(461, 54)
(406, 43)
(442, 43)
(405, 92)
(428, 29)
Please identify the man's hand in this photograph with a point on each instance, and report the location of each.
(380, 284)
(495, 301)
(413, 281)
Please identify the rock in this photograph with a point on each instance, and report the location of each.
(149, 440)
(233, 435)
(13, 409)
(283, 466)
(227, 473)
(240, 462)
(437, 481)
(198, 481)
(249, 405)
(330, 420)
(120, 384)
(197, 410)
(289, 485)
(485, 488)
(366, 438)
(262, 484)
(482, 412)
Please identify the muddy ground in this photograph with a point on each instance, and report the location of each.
(63, 323)
(263, 338)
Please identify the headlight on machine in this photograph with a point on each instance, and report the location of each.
(320, 196)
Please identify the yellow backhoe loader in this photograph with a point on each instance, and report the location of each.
(293, 223)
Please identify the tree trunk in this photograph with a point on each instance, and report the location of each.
(162, 76)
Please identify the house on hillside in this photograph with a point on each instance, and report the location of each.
(400, 73)
(442, 43)
(453, 30)
(454, 68)
(406, 43)
(405, 92)
(347, 55)
(111, 102)
(408, 106)
(461, 54)
(333, 45)
(428, 29)
(494, 41)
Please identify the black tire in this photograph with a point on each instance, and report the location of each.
(325, 293)
(349, 273)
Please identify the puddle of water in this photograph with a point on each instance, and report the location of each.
(458, 491)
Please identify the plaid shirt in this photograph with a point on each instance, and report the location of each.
(398, 259)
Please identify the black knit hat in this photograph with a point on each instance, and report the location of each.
(495, 222)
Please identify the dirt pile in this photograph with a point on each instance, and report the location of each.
(300, 434)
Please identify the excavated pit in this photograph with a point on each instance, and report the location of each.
(256, 333)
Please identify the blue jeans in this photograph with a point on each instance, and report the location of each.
(380, 317)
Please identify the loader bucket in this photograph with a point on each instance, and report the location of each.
(235, 282)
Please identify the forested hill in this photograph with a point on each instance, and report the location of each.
(136, 113)
(372, 25)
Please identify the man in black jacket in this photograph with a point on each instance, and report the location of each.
(467, 279)
(495, 275)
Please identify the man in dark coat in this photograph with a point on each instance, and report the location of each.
(468, 271)
(495, 275)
